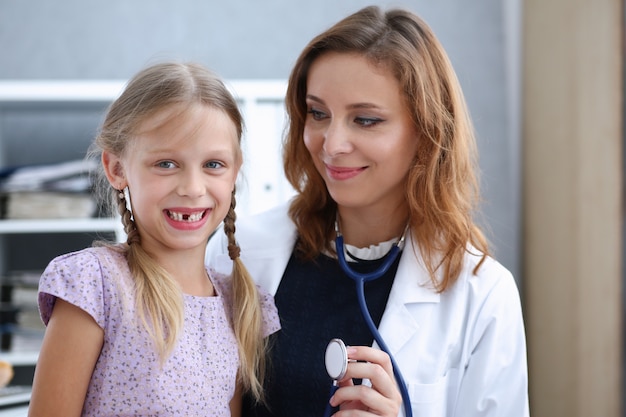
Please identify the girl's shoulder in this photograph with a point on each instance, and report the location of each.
(91, 279)
(224, 287)
(110, 254)
(97, 261)
(223, 284)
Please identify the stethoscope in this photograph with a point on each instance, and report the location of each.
(336, 357)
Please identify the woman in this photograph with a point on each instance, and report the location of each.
(381, 152)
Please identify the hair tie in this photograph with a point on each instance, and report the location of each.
(234, 251)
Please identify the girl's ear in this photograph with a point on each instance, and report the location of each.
(113, 170)
(237, 174)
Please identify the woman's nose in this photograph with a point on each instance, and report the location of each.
(337, 139)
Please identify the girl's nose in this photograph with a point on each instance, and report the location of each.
(337, 139)
(191, 184)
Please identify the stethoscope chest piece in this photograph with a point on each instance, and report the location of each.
(336, 359)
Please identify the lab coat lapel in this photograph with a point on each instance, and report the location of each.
(265, 259)
(411, 285)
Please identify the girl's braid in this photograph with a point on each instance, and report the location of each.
(229, 229)
(127, 221)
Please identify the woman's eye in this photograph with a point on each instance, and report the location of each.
(316, 114)
(214, 164)
(166, 164)
(367, 121)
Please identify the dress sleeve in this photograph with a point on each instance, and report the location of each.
(77, 279)
(271, 322)
(495, 382)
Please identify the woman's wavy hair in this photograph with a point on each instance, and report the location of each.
(442, 189)
(159, 298)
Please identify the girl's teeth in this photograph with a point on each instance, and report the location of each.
(180, 217)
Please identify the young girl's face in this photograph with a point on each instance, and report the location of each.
(358, 131)
(180, 170)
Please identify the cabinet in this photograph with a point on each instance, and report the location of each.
(44, 121)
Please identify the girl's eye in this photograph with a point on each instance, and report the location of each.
(166, 164)
(367, 121)
(214, 164)
(316, 114)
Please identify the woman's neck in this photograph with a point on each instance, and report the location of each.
(363, 228)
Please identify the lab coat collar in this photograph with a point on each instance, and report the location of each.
(411, 285)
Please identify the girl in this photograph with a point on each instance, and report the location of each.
(381, 152)
(142, 328)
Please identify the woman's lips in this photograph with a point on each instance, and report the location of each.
(343, 173)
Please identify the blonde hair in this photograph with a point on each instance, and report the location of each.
(159, 299)
(442, 189)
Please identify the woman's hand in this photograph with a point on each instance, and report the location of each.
(381, 399)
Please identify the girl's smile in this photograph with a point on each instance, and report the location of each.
(186, 219)
(181, 172)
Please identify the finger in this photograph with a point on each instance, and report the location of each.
(361, 400)
(383, 397)
(379, 378)
(369, 354)
(377, 368)
(346, 382)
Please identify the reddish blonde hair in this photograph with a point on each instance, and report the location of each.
(442, 189)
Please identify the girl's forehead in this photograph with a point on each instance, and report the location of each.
(179, 125)
(180, 121)
(173, 114)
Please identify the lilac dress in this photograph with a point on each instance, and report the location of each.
(198, 379)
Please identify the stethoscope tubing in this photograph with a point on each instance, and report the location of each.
(330, 410)
(360, 280)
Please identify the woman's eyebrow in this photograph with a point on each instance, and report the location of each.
(314, 98)
(363, 105)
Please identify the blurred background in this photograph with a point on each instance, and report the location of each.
(544, 84)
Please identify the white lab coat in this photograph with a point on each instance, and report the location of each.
(462, 353)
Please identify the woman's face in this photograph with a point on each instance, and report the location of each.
(359, 131)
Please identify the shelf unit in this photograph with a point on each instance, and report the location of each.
(45, 95)
(27, 226)
(20, 100)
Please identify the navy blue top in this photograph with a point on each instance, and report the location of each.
(316, 302)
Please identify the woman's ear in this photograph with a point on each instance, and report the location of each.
(114, 170)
